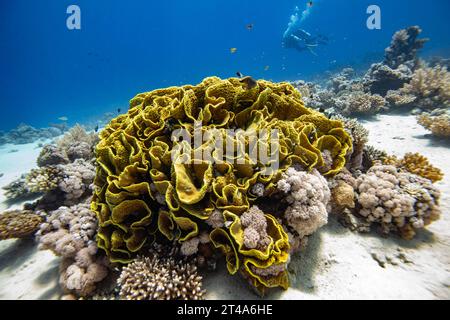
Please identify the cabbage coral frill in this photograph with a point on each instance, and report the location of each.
(145, 192)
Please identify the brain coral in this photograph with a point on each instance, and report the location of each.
(141, 194)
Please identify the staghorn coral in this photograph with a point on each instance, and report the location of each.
(18, 224)
(70, 233)
(417, 164)
(430, 87)
(439, 125)
(308, 196)
(142, 195)
(160, 278)
(399, 201)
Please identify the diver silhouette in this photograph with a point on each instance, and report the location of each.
(302, 40)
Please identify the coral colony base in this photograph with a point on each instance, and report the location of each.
(224, 172)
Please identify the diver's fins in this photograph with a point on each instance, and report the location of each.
(311, 50)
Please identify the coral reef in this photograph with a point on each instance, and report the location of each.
(380, 78)
(404, 47)
(44, 179)
(70, 233)
(141, 195)
(160, 277)
(24, 134)
(439, 125)
(18, 189)
(417, 164)
(74, 137)
(399, 201)
(51, 155)
(358, 103)
(18, 224)
(399, 64)
(360, 136)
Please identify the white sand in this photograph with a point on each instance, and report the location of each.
(337, 263)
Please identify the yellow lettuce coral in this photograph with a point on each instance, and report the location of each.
(153, 181)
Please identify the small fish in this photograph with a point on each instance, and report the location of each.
(249, 81)
(240, 75)
(119, 110)
(310, 4)
(63, 118)
(96, 128)
(266, 68)
(312, 135)
(249, 26)
(233, 50)
(321, 110)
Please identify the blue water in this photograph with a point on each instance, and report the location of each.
(126, 47)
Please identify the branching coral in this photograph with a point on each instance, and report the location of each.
(417, 164)
(141, 194)
(77, 135)
(439, 125)
(18, 224)
(430, 88)
(160, 278)
(70, 233)
(398, 201)
(399, 64)
(404, 47)
(360, 103)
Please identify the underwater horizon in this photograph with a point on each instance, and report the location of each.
(124, 48)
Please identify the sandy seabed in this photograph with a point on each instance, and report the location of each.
(337, 263)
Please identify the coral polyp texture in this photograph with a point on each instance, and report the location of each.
(70, 233)
(142, 194)
(18, 224)
(161, 275)
(398, 201)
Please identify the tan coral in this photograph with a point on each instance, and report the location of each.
(438, 125)
(18, 224)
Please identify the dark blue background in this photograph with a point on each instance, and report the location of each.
(126, 47)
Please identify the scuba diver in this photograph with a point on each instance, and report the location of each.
(301, 40)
